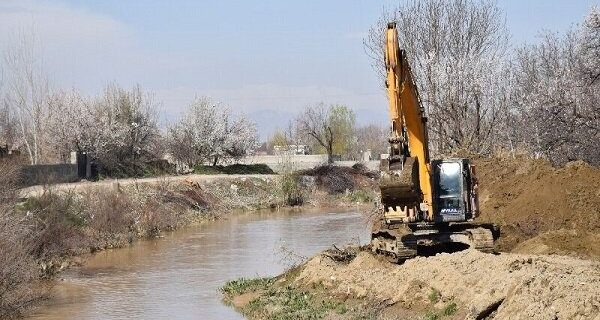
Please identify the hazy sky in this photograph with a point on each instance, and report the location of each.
(266, 58)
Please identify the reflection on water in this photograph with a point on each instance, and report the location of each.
(178, 277)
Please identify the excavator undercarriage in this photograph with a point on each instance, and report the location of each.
(400, 242)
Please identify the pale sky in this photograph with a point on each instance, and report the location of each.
(265, 58)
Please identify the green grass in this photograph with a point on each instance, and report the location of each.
(450, 309)
(243, 285)
(281, 302)
(434, 296)
(291, 303)
(430, 315)
(234, 169)
(361, 196)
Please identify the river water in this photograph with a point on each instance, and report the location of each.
(179, 276)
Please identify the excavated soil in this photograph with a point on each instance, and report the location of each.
(557, 208)
(482, 286)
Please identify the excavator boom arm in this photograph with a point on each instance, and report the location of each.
(408, 121)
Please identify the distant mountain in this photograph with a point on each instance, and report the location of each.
(267, 121)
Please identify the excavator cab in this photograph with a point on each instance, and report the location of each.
(454, 190)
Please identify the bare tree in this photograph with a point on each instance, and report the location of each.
(372, 138)
(331, 127)
(8, 126)
(26, 93)
(209, 132)
(456, 49)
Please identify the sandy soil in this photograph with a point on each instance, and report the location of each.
(530, 198)
(506, 286)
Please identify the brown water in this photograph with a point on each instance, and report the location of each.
(178, 277)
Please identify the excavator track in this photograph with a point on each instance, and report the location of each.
(396, 245)
(481, 239)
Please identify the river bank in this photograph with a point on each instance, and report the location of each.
(464, 285)
(548, 268)
(67, 225)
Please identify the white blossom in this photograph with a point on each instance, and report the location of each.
(209, 132)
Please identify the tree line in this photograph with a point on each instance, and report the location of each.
(118, 129)
(332, 130)
(482, 95)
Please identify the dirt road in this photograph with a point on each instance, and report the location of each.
(116, 183)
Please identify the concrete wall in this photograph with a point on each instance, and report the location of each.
(289, 162)
(49, 174)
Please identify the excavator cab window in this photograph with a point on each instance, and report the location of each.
(448, 191)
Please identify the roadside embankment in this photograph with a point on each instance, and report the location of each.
(463, 285)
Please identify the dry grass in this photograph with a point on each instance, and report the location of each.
(39, 236)
(336, 180)
(18, 268)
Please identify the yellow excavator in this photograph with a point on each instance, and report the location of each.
(426, 206)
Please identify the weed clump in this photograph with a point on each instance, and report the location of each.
(434, 296)
(450, 309)
(243, 285)
(293, 193)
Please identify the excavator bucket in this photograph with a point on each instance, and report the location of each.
(400, 194)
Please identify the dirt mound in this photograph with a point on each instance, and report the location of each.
(336, 179)
(529, 197)
(563, 242)
(475, 285)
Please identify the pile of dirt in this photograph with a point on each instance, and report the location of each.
(528, 198)
(337, 179)
(470, 284)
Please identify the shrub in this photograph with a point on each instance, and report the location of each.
(293, 194)
(58, 223)
(18, 268)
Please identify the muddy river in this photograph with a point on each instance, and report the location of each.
(178, 276)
